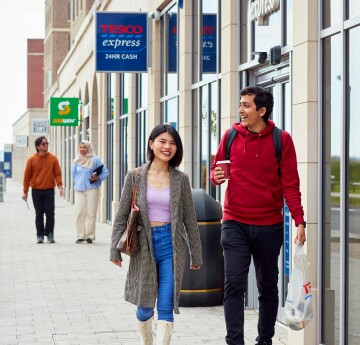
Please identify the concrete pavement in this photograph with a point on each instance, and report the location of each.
(70, 294)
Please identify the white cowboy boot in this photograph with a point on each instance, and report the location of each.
(163, 332)
(146, 332)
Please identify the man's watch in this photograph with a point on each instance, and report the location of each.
(303, 223)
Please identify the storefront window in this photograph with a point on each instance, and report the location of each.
(332, 10)
(141, 118)
(169, 28)
(171, 112)
(111, 89)
(209, 38)
(354, 8)
(289, 23)
(354, 186)
(243, 27)
(169, 67)
(333, 114)
(205, 93)
(124, 94)
(268, 36)
(205, 40)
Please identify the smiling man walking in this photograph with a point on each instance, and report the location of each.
(42, 172)
(252, 224)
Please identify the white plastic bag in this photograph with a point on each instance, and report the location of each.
(298, 305)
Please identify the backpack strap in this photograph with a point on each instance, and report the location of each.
(278, 145)
(229, 139)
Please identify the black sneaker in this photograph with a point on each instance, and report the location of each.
(40, 239)
(263, 342)
(79, 240)
(50, 238)
(89, 240)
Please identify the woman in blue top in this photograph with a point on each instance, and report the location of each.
(88, 171)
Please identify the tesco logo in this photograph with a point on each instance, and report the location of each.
(121, 29)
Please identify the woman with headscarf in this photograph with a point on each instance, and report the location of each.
(88, 171)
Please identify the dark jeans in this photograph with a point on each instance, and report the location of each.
(44, 202)
(263, 243)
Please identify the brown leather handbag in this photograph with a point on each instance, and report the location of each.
(129, 241)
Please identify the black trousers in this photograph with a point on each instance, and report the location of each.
(263, 243)
(44, 203)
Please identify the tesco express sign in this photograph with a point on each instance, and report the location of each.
(259, 9)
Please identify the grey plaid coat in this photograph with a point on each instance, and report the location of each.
(141, 283)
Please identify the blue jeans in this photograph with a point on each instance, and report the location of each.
(240, 242)
(163, 254)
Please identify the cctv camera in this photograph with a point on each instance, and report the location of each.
(155, 15)
(262, 57)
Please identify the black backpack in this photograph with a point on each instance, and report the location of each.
(277, 144)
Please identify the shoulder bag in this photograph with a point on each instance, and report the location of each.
(129, 241)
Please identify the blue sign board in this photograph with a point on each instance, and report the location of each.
(7, 164)
(121, 42)
(287, 232)
(208, 43)
(172, 40)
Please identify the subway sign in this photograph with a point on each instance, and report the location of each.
(64, 111)
(121, 42)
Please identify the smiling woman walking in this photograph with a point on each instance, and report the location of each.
(166, 221)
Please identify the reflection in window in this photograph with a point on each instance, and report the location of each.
(195, 137)
(171, 112)
(354, 8)
(354, 187)
(169, 51)
(111, 82)
(243, 27)
(214, 131)
(169, 69)
(205, 115)
(332, 12)
(209, 38)
(204, 135)
(289, 23)
(141, 118)
(269, 35)
(123, 149)
(124, 94)
(331, 253)
(209, 134)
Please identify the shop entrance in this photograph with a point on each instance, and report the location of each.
(277, 81)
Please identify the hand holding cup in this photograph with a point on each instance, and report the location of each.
(222, 171)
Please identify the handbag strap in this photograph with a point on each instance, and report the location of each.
(134, 187)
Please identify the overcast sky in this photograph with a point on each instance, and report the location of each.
(19, 20)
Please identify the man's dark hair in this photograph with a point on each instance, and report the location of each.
(38, 142)
(262, 98)
(177, 159)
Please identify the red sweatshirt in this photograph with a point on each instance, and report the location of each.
(42, 172)
(255, 191)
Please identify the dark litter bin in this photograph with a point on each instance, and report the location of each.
(205, 287)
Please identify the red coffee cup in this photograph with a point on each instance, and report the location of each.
(225, 166)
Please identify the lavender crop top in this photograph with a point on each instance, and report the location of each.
(158, 201)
